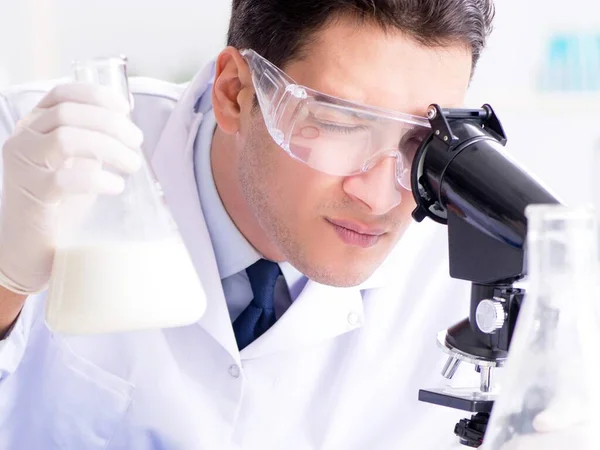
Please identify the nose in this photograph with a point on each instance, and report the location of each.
(376, 188)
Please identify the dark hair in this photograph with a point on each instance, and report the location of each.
(279, 30)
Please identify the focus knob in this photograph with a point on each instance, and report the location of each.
(490, 316)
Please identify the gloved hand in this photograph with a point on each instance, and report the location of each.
(62, 147)
(559, 429)
(572, 439)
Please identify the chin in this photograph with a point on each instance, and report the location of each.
(347, 281)
(330, 262)
(338, 274)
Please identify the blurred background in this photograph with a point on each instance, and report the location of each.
(541, 70)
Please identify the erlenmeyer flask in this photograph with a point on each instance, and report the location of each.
(120, 262)
(550, 395)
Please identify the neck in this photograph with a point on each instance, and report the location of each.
(224, 165)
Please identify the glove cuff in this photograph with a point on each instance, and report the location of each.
(9, 284)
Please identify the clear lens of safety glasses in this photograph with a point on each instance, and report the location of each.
(333, 135)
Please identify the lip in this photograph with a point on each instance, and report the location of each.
(347, 232)
(357, 227)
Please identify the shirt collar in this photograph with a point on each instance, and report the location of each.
(232, 250)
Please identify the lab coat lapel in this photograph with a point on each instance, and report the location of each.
(173, 165)
(319, 313)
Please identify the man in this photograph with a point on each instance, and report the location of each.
(349, 326)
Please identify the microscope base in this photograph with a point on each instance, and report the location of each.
(469, 431)
(472, 431)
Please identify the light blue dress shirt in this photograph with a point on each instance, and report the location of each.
(233, 252)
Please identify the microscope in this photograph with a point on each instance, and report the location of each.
(463, 178)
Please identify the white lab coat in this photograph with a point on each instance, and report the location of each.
(340, 370)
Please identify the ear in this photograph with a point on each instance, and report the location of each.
(231, 89)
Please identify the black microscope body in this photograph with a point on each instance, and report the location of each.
(463, 178)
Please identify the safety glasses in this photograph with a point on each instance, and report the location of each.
(329, 134)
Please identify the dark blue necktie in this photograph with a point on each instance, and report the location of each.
(259, 316)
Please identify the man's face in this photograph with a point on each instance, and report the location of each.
(338, 230)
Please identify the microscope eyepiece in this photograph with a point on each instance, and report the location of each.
(462, 174)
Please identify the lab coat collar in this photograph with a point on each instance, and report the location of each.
(232, 250)
(319, 313)
(173, 165)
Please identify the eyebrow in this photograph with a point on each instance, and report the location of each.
(366, 116)
(370, 117)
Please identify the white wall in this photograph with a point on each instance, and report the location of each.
(511, 63)
(167, 39)
(552, 134)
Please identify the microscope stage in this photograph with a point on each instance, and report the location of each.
(459, 398)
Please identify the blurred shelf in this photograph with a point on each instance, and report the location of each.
(548, 103)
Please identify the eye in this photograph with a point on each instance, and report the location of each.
(342, 129)
(335, 124)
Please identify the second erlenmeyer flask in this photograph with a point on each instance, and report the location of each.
(550, 395)
(120, 263)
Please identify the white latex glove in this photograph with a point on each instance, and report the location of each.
(56, 151)
(568, 439)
